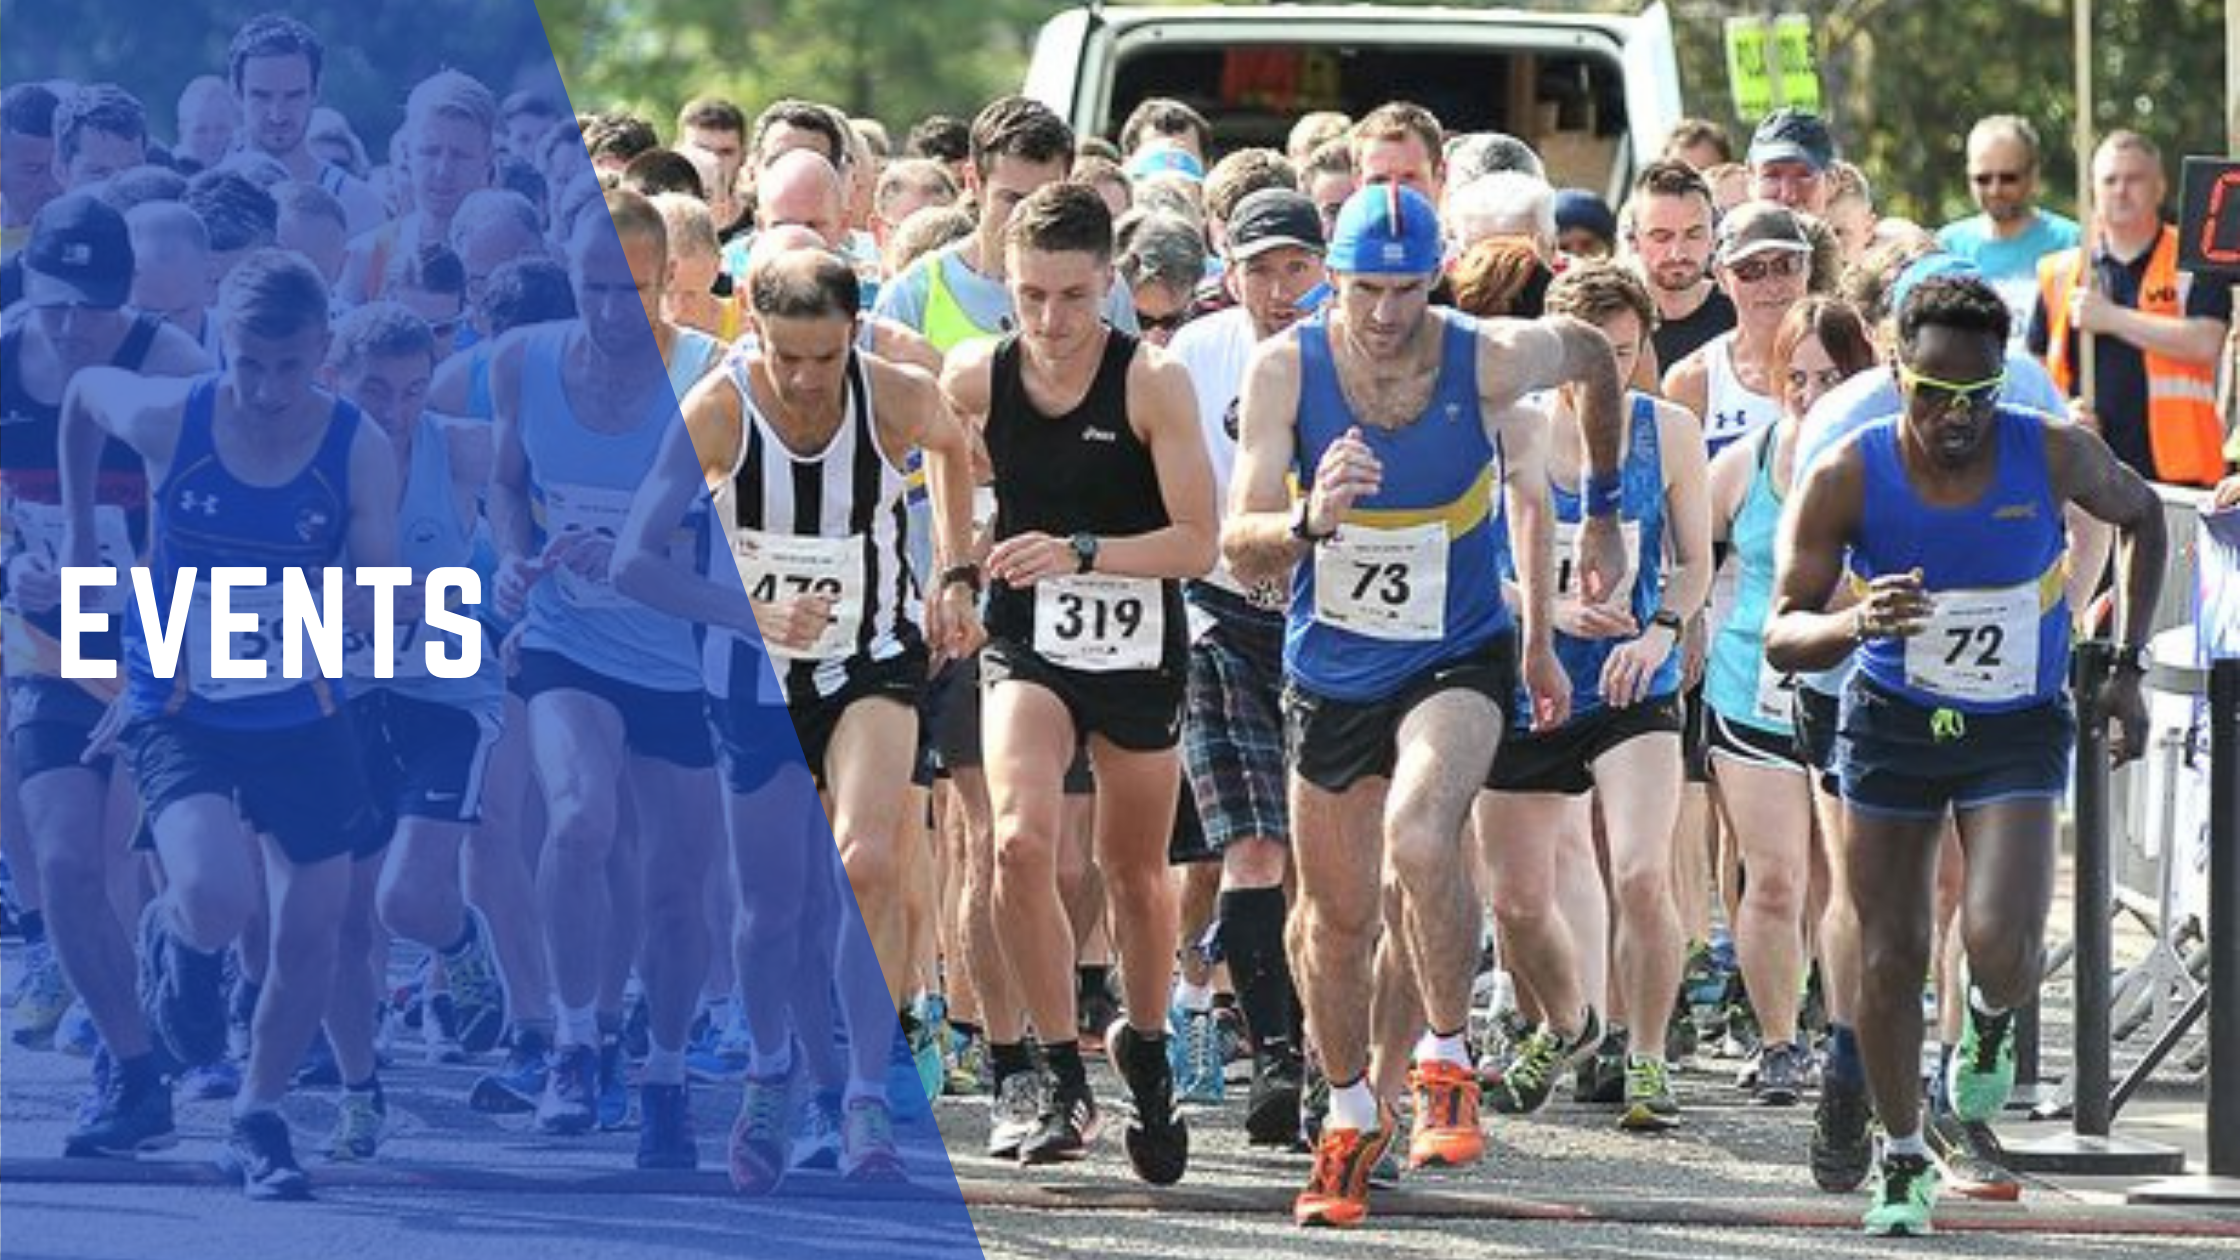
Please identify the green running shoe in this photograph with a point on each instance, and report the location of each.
(1903, 1197)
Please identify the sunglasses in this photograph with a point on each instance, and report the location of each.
(1947, 394)
(1753, 270)
(1162, 323)
(1995, 179)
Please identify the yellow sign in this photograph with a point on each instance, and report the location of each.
(1771, 64)
(1748, 73)
(1796, 69)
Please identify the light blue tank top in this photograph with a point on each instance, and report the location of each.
(1738, 683)
(580, 479)
(432, 535)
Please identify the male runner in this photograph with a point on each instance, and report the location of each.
(1104, 500)
(249, 467)
(802, 437)
(1951, 515)
(78, 272)
(1400, 656)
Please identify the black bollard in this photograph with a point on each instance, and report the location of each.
(2221, 1187)
(2088, 1149)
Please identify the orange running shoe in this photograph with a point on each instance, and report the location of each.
(1447, 1133)
(1337, 1193)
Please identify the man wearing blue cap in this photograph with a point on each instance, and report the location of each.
(1399, 650)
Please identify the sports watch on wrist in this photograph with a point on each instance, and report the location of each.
(1084, 552)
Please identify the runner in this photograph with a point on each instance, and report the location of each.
(78, 269)
(1622, 656)
(1104, 500)
(274, 65)
(801, 436)
(1951, 513)
(427, 740)
(613, 687)
(1232, 729)
(1398, 641)
(250, 466)
(1764, 782)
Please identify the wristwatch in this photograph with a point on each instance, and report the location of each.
(1670, 620)
(1084, 552)
(2132, 660)
(1303, 530)
(968, 574)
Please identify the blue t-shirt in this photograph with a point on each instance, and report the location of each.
(2011, 266)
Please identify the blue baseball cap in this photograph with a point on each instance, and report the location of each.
(1929, 267)
(1386, 230)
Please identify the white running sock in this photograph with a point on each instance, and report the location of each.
(1912, 1144)
(579, 1026)
(1353, 1107)
(1195, 998)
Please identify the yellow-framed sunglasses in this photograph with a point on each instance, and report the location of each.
(1972, 395)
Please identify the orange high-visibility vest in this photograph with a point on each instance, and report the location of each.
(2182, 428)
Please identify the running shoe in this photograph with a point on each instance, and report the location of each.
(1447, 1134)
(1531, 1078)
(821, 1121)
(1157, 1140)
(211, 1082)
(130, 1118)
(75, 1035)
(761, 1135)
(1842, 1150)
(478, 992)
(571, 1092)
(358, 1127)
(439, 1030)
(42, 998)
(1601, 1080)
(1650, 1106)
(665, 1135)
(1783, 1070)
(867, 1149)
(519, 1082)
(258, 1154)
(1065, 1130)
(965, 1072)
(1014, 1113)
(1271, 1114)
(1194, 1057)
(1904, 1196)
(1337, 1193)
(1980, 1077)
(1970, 1155)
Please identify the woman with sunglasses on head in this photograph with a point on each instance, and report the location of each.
(1162, 257)
(1764, 783)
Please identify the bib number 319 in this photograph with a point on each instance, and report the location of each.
(1100, 624)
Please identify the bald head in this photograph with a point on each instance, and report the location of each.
(776, 242)
(800, 188)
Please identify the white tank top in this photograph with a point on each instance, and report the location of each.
(1732, 412)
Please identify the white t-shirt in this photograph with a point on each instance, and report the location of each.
(1214, 351)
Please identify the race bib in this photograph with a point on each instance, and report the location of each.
(1775, 702)
(1384, 583)
(1567, 560)
(1980, 646)
(266, 643)
(40, 528)
(571, 509)
(782, 567)
(1100, 624)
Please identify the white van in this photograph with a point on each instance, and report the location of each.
(1594, 93)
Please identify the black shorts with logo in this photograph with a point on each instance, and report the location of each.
(1894, 759)
(1333, 744)
(423, 759)
(305, 786)
(1561, 762)
(1138, 710)
(754, 740)
(669, 726)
